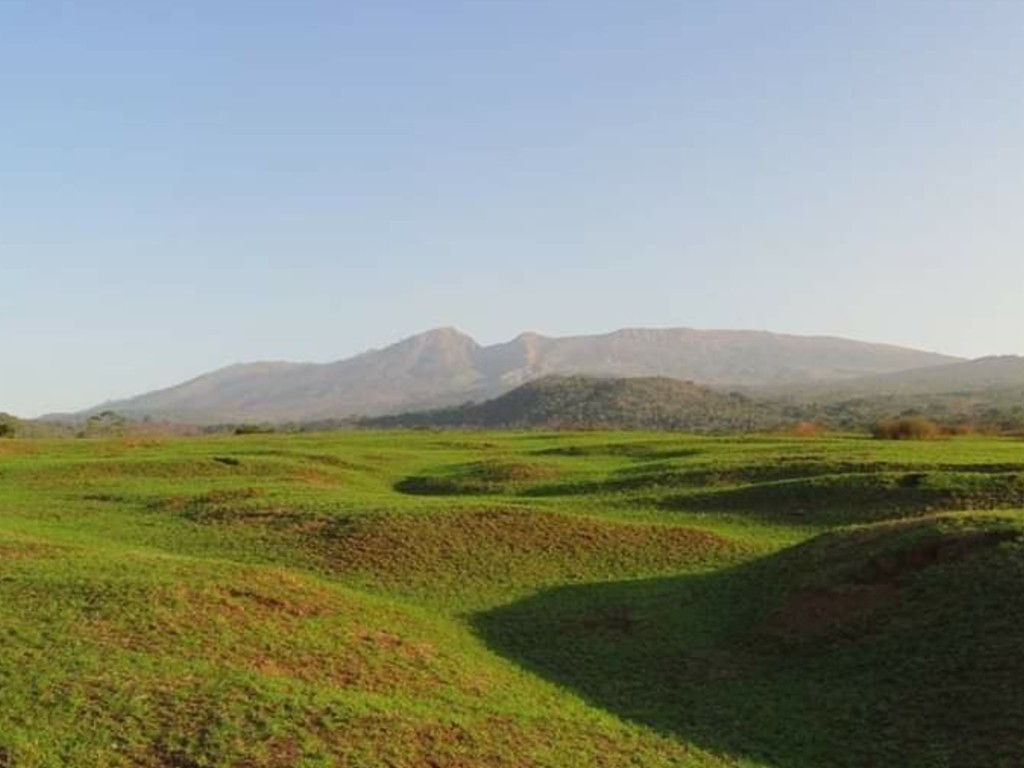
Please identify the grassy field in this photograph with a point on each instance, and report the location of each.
(456, 599)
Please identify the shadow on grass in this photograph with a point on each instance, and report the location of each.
(924, 673)
(801, 493)
(845, 499)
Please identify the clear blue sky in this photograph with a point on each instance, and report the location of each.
(188, 184)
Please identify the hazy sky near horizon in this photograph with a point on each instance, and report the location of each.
(189, 184)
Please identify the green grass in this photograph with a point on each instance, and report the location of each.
(890, 646)
(511, 599)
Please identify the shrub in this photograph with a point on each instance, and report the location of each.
(906, 428)
(8, 425)
(254, 429)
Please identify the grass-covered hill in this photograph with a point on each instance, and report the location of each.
(658, 403)
(583, 402)
(456, 599)
(894, 645)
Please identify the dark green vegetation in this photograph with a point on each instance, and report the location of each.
(990, 411)
(502, 599)
(8, 425)
(585, 402)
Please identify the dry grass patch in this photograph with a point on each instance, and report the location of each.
(12, 549)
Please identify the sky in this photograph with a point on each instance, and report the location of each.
(192, 184)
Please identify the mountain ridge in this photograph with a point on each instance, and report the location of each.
(445, 366)
(989, 373)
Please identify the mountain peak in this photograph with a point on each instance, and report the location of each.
(445, 334)
(445, 331)
(444, 366)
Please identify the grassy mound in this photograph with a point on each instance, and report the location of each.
(654, 477)
(479, 477)
(889, 645)
(479, 556)
(111, 658)
(635, 449)
(272, 600)
(863, 497)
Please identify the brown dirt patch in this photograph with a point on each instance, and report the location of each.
(880, 580)
(933, 550)
(26, 550)
(814, 611)
(609, 620)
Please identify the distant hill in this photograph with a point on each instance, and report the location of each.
(445, 367)
(986, 374)
(581, 402)
(987, 392)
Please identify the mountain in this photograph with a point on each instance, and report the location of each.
(445, 367)
(987, 393)
(986, 374)
(581, 402)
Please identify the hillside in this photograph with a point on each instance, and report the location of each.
(993, 374)
(985, 392)
(589, 402)
(895, 645)
(445, 367)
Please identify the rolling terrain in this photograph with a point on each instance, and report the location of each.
(445, 367)
(457, 599)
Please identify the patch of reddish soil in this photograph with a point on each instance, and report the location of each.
(931, 551)
(812, 612)
(608, 620)
(878, 583)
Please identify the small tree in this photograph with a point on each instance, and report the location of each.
(8, 425)
(103, 424)
(906, 428)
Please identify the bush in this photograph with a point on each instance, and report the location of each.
(8, 425)
(254, 429)
(906, 428)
